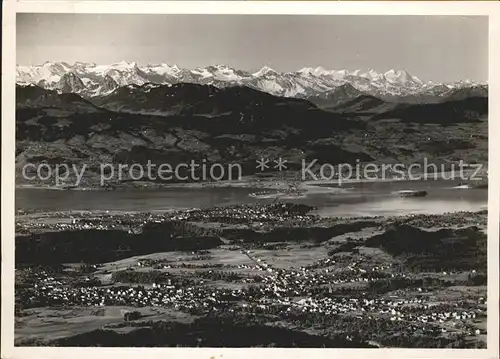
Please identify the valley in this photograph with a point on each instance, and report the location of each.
(269, 259)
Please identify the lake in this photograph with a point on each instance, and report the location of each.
(350, 200)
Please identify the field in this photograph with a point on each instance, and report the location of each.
(250, 275)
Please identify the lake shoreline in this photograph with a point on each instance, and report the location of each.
(271, 182)
(363, 198)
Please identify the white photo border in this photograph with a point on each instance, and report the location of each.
(465, 8)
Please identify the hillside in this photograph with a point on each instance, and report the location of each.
(184, 122)
(364, 104)
(193, 99)
(335, 97)
(35, 97)
(470, 109)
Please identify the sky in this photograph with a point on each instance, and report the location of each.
(433, 48)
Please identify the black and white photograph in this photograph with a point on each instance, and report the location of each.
(251, 181)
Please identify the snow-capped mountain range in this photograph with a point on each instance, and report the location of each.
(90, 80)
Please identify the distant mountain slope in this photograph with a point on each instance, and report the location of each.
(154, 99)
(232, 124)
(441, 93)
(187, 98)
(184, 122)
(32, 96)
(242, 105)
(445, 113)
(235, 106)
(364, 104)
(341, 94)
(463, 93)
